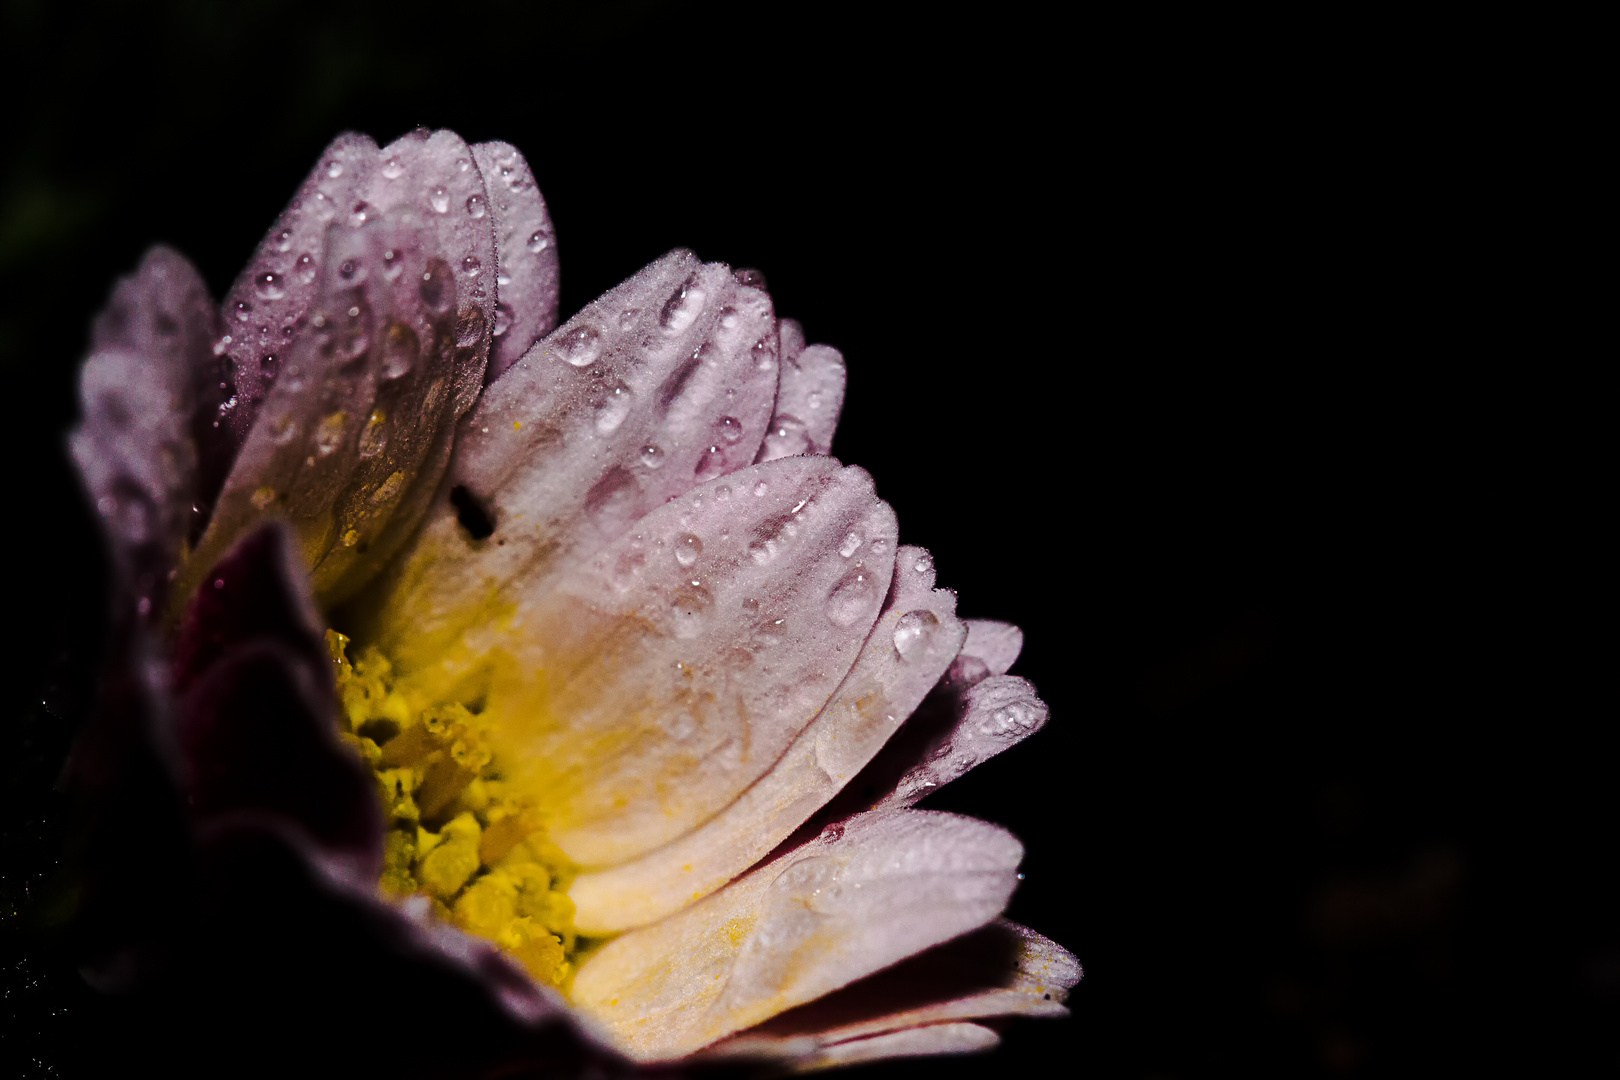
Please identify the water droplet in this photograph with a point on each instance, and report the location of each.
(711, 463)
(613, 408)
(469, 328)
(788, 437)
(349, 268)
(851, 542)
(282, 428)
(475, 206)
(923, 563)
(438, 291)
(687, 549)
(503, 319)
(462, 164)
(471, 265)
(750, 278)
(854, 598)
(879, 546)
(267, 367)
(357, 216)
(304, 267)
(627, 318)
(329, 434)
(392, 264)
(914, 632)
(652, 456)
(1019, 717)
(284, 240)
(832, 833)
(374, 437)
(690, 609)
(243, 310)
(439, 200)
(728, 317)
(268, 286)
(260, 499)
(682, 307)
(764, 354)
(392, 169)
(334, 168)
(761, 489)
(580, 345)
(539, 241)
(401, 347)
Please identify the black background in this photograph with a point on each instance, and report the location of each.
(1215, 353)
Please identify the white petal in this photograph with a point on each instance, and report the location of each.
(662, 383)
(882, 887)
(993, 715)
(908, 649)
(912, 1042)
(525, 250)
(357, 424)
(997, 644)
(1000, 970)
(809, 398)
(674, 667)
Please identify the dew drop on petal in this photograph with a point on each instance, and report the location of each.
(581, 345)
(471, 265)
(853, 598)
(914, 632)
(475, 206)
(392, 169)
(627, 318)
(439, 200)
(832, 833)
(503, 319)
(851, 542)
(682, 307)
(334, 168)
(690, 609)
(330, 433)
(729, 429)
(539, 241)
(401, 347)
(711, 463)
(613, 408)
(438, 291)
(1015, 716)
(284, 240)
(243, 310)
(687, 549)
(923, 564)
(652, 456)
(304, 267)
(268, 286)
(392, 264)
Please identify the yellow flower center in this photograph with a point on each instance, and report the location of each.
(458, 832)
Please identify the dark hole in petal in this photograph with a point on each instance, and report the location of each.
(472, 514)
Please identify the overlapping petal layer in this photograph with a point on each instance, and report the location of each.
(696, 645)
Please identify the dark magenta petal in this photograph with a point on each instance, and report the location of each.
(258, 591)
(256, 734)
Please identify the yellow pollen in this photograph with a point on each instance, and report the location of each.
(458, 833)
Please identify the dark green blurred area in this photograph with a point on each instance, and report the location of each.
(1195, 345)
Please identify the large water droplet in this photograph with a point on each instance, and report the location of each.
(923, 563)
(613, 408)
(439, 199)
(539, 241)
(682, 307)
(329, 435)
(914, 632)
(268, 286)
(788, 437)
(690, 609)
(438, 291)
(392, 169)
(850, 544)
(1015, 717)
(304, 267)
(475, 206)
(374, 436)
(581, 345)
(284, 240)
(243, 310)
(687, 549)
(334, 168)
(401, 347)
(652, 456)
(729, 429)
(503, 319)
(471, 265)
(764, 354)
(854, 598)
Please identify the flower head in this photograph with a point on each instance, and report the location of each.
(555, 671)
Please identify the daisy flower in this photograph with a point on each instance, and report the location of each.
(553, 677)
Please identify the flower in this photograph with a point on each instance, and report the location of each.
(554, 677)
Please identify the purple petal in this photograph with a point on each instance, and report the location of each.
(526, 252)
(135, 447)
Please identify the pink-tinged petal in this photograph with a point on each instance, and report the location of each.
(990, 649)
(677, 664)
(256, 713)
(909, 648)
(1000, 970)
(912, 1042)
(662, 383)
(271, 301)
(875, 890)
(809, 398)
(525, 252)
(357, 423)
(992, 716)
(135, 447)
